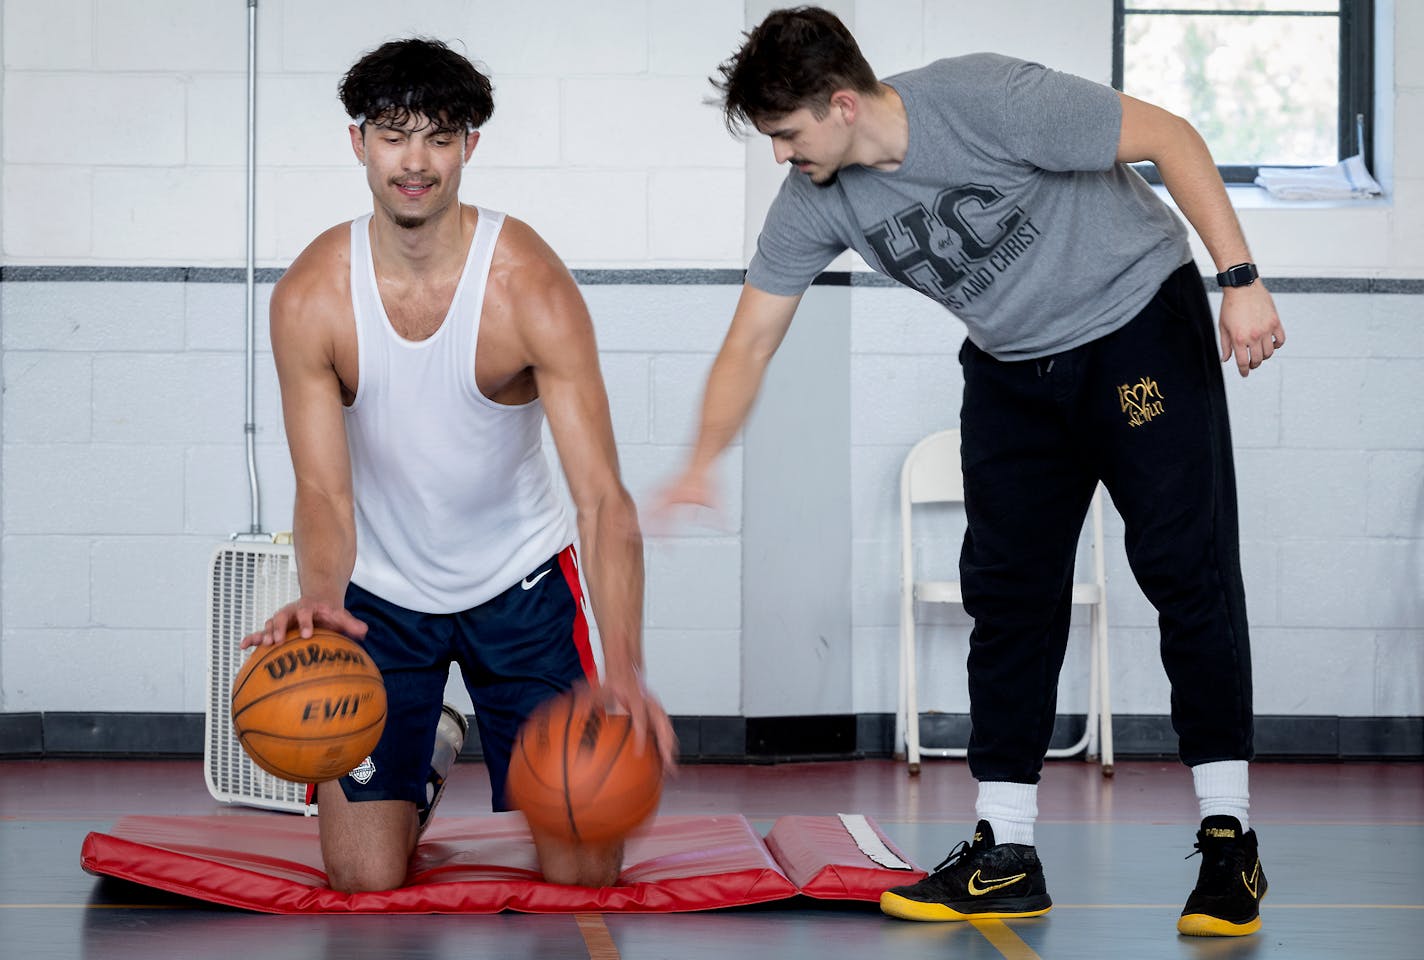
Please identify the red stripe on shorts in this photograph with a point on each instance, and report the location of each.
(568, 563)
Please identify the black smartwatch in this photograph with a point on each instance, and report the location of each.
(1241, 275)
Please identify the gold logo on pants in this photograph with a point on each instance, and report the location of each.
(1141, 402)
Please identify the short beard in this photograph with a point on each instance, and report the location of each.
(409, 223)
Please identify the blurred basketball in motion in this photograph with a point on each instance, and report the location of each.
(309, 710)
(577, 774)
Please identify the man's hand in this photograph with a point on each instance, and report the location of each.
(692, 488)
(624, 689)
(1249, 326)
(304, 615)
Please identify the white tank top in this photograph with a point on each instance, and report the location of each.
(454, 498)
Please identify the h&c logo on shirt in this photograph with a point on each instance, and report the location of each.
(937, 251)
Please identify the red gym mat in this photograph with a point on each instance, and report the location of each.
(823, 859)
(272, 864)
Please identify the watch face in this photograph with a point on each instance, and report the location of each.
(1238, 276)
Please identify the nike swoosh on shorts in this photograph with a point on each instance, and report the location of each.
(528, 584)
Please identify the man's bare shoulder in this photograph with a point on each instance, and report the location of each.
(319, 276)
(536, 296)
(527, 271)
(521, 248)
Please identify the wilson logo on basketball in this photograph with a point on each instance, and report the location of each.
(304, 658)
(308, 710)
(335, 708)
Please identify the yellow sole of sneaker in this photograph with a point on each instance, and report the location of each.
(906, 909)
(1201, 925)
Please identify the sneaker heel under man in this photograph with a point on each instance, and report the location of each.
(978, 881)
(450, 734)
(1230, 883)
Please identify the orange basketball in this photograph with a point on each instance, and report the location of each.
(310, 710)
(577, 774)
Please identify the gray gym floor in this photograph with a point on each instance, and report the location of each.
(1342, 846)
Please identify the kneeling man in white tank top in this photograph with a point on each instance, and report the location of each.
(420, 349)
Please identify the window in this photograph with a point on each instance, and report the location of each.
(1267, 83)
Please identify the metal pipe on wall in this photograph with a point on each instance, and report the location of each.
(250, 425)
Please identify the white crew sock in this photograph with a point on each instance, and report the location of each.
(1010, 808)
(1222, 790)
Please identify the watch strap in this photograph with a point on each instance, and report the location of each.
(1240, 275)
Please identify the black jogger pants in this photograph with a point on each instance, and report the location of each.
(1144, 410)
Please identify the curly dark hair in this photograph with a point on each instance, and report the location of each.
(795, 58)
(417, 77)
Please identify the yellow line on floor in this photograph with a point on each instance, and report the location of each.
(1004, 940)
(592, 925)
(1342, 906)
(596, 937)
(1265, 907)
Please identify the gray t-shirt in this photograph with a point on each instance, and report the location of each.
(1009, 209)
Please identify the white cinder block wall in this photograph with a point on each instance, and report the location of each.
(123, 144)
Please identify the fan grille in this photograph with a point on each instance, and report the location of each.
(248, 582)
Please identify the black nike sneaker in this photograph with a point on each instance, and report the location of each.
(981, 881)
(1230, 884)
(450, 735)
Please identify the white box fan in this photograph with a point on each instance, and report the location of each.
(249, 580)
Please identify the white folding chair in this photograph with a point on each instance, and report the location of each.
(931, 474)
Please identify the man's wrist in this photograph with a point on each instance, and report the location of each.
(632, 673)
(1239, 275)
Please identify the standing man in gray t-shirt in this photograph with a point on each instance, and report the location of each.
(1000, 189)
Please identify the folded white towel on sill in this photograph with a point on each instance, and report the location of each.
(1346, 180)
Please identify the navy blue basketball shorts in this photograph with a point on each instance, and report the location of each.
(515, 651)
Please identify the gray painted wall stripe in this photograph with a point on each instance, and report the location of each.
(99, 274)
(88, 274)
(671, 278)
(20, 273)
